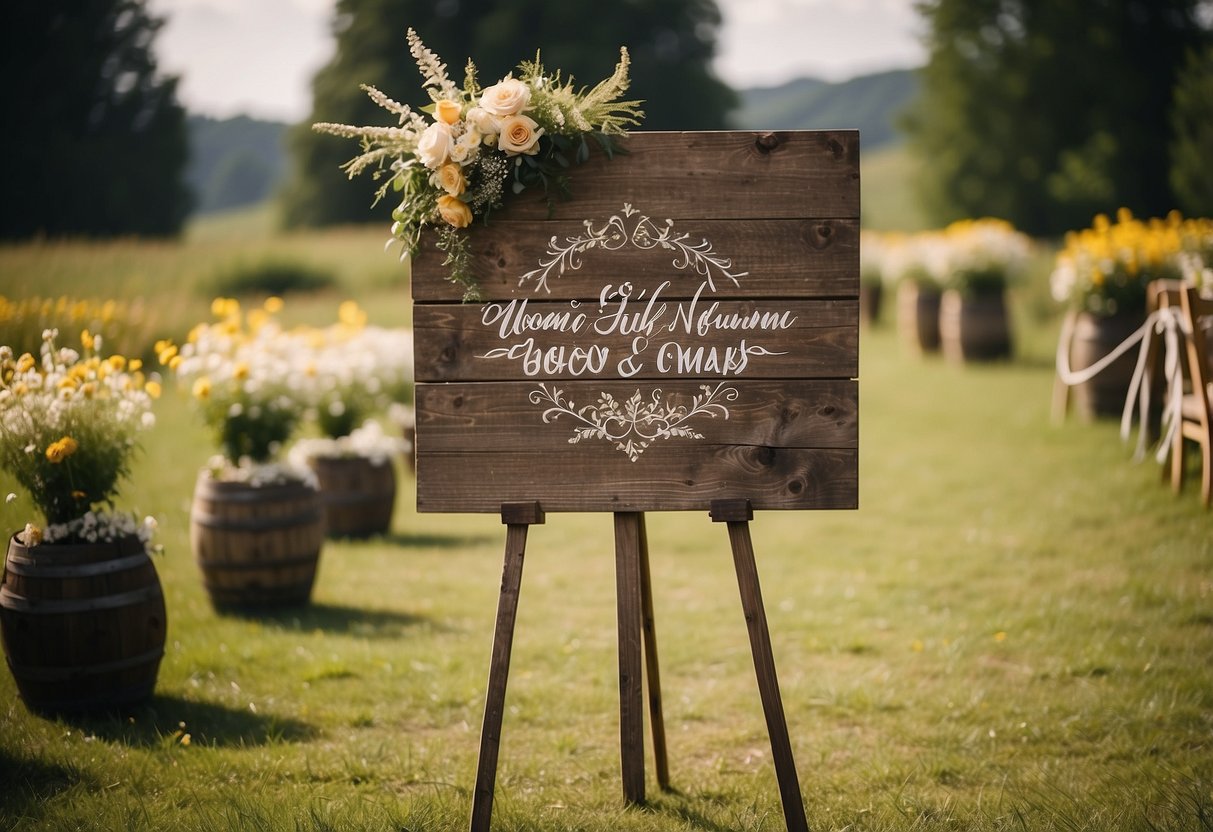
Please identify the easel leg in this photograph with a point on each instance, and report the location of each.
(519, 517)
(631, 709)
(652, 671)
(737, 513)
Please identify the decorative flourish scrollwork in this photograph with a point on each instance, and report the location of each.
(642, 233)
(635, 423)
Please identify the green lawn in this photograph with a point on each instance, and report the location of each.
(1014, 631)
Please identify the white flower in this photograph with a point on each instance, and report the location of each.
(435, 145)
(483, 121)
(507, 97)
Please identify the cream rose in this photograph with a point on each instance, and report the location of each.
(447, 111)
(454, 211)
(519, 134)
(507, 97)
(484, 121)
(434, 146)
(450, 179)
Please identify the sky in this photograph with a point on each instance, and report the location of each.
(256, 57)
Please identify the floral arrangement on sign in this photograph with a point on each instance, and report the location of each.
(458, 164)
(248, 379)
(1104, 269)
(69, 422)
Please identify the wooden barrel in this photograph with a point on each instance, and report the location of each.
(1094, 337)
(974, 327)
(257, 545)
(870, 297)
(918, 316)
(358, 494)
(83, 624)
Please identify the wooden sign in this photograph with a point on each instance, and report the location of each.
(683, 330)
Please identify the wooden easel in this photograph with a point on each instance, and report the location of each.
(637, 636)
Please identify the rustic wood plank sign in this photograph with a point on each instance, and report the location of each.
(681, 334)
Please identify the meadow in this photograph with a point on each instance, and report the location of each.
(1013, 631)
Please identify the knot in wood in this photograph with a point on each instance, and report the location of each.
(766, 142)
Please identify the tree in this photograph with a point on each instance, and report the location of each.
(1192, 120)
(95, 142)
(1046, 112)
(671, 43)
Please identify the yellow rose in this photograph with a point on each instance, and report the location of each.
(450, 179)
(447, 111)
(519, 134)
(454, 211)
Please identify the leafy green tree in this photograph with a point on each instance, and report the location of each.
(95, 141)
(1046, 112)
(1192, 120)
(671, 42)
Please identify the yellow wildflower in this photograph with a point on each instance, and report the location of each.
(153, 389)
(87, 340)
(202, 388)
(61, 450)
(273, 305)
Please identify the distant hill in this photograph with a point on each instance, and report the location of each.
(235, 161)
(870, 103)
(241, 161)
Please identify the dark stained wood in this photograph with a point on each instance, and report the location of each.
(499, 664)
(507, 417)
(631, 709)
(652, 669)
(812, 257)
(764, 660)
(519, 339)
(771, 478)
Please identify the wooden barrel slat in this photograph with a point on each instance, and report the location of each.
(256, 545)
(32, 567)
(84, 625)
(56, 674)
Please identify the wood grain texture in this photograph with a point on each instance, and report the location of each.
(808, 257)
(764, 669)
(499, 672)
(631, 708)
(684, 328)
(760, 339)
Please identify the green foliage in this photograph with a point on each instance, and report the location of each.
(1046, 112)
(95, 142)
(671, 42)
(270, 275)
(1192, 121)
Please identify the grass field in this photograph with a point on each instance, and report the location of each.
(1014, 631)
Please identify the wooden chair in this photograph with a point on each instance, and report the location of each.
(1197, 422)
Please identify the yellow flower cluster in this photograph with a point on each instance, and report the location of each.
(1105, 268)
(68, 422)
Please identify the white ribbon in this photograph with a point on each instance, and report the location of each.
(1167, 322)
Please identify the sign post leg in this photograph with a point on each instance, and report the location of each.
(651, 668)
(631, 708)
(737, 514)
(519, 517)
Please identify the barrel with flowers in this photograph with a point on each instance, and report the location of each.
(81, 607)
(256, 525)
